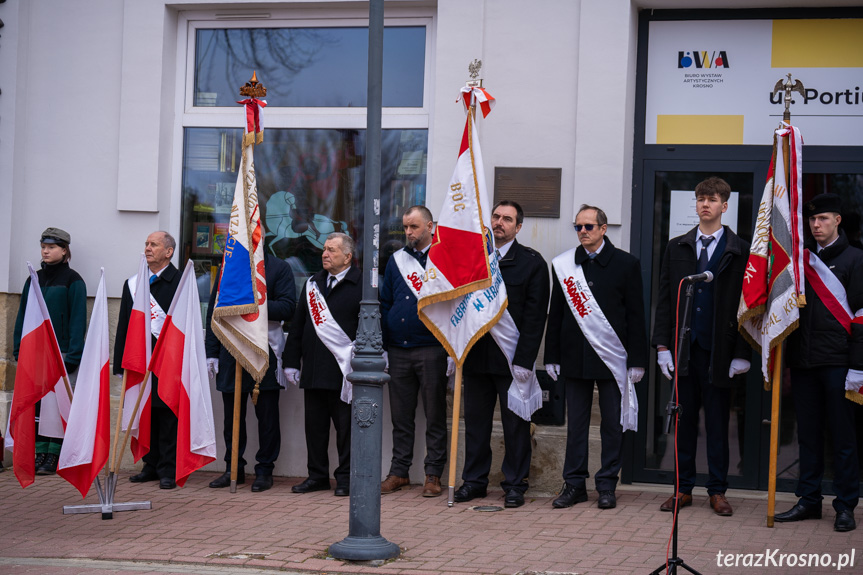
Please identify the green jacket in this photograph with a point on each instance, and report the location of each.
(66, 298)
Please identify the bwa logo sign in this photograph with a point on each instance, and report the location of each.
(703, 59)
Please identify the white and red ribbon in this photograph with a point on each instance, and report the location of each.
(254, 117)
(485, 100)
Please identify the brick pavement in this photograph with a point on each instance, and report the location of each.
(201, 530)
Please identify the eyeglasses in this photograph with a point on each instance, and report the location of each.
(588, 227)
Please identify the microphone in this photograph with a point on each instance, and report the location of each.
(705, 277)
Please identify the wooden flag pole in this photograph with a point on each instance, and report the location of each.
(453, 451)
(235, 435)
(68, 386)
(774, 434)
(113, 466)
(116, 462)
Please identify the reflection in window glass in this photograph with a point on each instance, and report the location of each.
(310, 184)
(308, 67)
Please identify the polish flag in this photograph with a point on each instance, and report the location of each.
(136, 358)
(179, 361)
(40, 372)
(88, 435)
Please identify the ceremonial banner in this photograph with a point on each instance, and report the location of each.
(136, 358)
(772, 284)
(180, 363)
(240, 313)
(40, 374)
(458, 259)
(88, 433)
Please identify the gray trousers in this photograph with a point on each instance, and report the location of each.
(414, 372)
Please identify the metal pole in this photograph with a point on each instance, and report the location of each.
(364, 541)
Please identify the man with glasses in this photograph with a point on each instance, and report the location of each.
(596, 336)
(714, 354)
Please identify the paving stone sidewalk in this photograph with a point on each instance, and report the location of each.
(205, 531)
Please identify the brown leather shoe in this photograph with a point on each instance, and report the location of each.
(432, 486)
(683, 500)
(720, 505)
(393, 483)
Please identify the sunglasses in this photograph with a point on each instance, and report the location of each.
(588, 227)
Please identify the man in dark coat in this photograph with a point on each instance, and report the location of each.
(281, 301)
(161, 461)
(715, 353)
(309, 363)
(486, 372)
(614, 278)
(826, 358)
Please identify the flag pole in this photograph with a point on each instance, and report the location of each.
(132, 417)
(235, 430)
(113, 467)
(453, 450)
(68, 387)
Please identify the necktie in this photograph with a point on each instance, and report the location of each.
(420, 257)
(330, 285)
(153, 278)
(702, 257)
(591, 255)
(497, 253)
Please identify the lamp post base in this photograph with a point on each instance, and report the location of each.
(364, 549)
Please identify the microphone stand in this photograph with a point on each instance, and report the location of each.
(672, 414)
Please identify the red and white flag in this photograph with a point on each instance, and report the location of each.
(458, 260)
(88, 433)
(179, 361)
(773, 286)
(39, 375)
(136, 358)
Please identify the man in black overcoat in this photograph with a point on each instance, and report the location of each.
(281, 301)
(487, 377)
(614, 279)
(310, 363)
(714, 354)
(160, 462)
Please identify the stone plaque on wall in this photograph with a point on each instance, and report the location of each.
(537, 190)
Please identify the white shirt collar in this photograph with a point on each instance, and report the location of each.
(505, 248)
(716, 235)
(339, 276)
(158, 273)
(827, 246)
(599, 249)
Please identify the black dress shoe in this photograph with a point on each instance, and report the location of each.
(224, 480)
(146, 475)
(342, 491)
(49, 465)
(310, 485)
(798, 513)
(607, 500)
(569, 496)
(262, 483)
(844, 521)
(167, 483)
(513, 499)
(467, 492)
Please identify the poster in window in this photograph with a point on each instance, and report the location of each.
(203, 237)
(220, 238)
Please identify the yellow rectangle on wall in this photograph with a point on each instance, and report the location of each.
(699, 129)
(822, 43)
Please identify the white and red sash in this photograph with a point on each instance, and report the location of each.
(157, 314)
(331, 335)
(410, 270)
(598, 332)
(832, 294)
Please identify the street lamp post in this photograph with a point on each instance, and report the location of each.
(364, 541)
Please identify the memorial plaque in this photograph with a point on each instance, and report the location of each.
(537, 190)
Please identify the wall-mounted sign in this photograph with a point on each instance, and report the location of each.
(711, 82)
(537, 190)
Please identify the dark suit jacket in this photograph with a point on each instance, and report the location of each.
(525, 275)
(319, 367)
(162, 289)
(614, 278)
(680, 260)
(281, 301)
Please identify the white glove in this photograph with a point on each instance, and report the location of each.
(666, 363)
(521, 374)
(635, 374)
(738, 366)
(292, 374)
(553, 370)
(450, 366)
(854, 380)
(387, 361)
(212, 367)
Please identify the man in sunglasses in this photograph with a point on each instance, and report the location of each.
(714, 354)
(596, 336)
